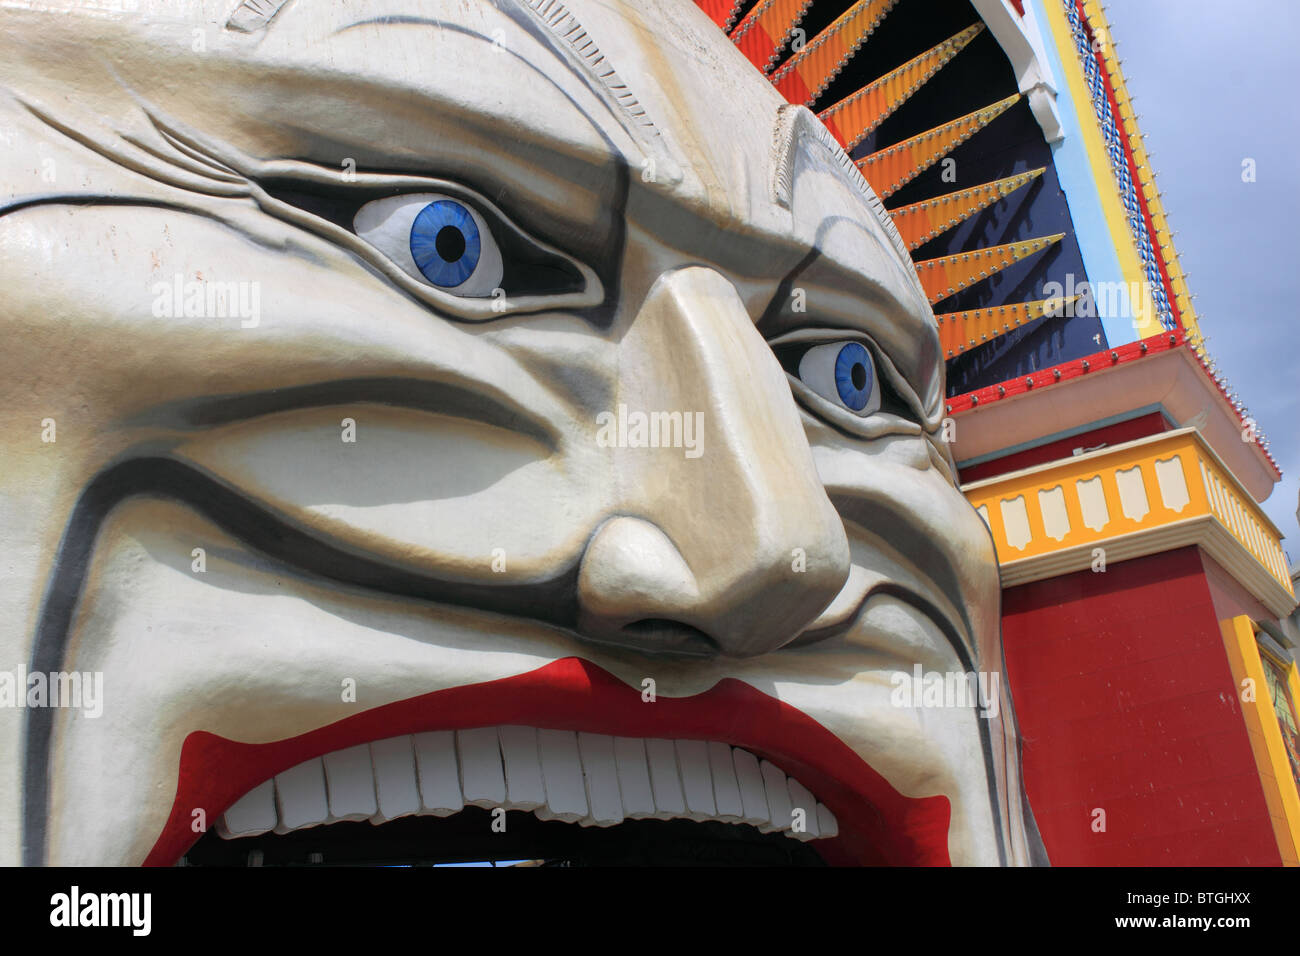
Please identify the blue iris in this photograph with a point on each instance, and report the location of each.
(445, 243)
(854, 376)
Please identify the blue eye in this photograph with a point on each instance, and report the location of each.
(445, 243)
(854, 376)
(842, 373)
(436, 238)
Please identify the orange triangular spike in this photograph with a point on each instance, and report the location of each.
(853, 118)
(922, 221)
(721, 12)
(763, 32)
(948, 275)
(803, 77)
(889, 169)
(959, 331)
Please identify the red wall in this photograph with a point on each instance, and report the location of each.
(1152, 423)
(1126, 703)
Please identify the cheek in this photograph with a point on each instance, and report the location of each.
(876, 466)
(910, 452)
(894, 477)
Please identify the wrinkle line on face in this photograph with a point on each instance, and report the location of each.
(450, 398)
(551, 601)
(928, 558)
(770, 325)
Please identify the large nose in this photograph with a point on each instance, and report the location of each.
(723, 539)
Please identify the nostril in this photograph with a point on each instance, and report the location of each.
(655, 635)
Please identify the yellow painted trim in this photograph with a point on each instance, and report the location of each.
(1293, 682)
(1104, 177)
(1280, 793)
(1211, 489)
(1146, 181)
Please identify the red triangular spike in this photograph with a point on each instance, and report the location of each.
(765, 29)
(889, 169)
(803, 77)
(853, 118)
(922, 221)
(721, 12)
(959, 331)
(948, 275)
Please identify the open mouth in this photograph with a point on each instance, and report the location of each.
(592, 780)
(564, 763)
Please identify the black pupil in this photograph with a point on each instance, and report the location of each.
(450, 244)
(858, 373)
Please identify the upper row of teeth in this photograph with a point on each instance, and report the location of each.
(589, 779)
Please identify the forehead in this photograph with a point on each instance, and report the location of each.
(652, 82)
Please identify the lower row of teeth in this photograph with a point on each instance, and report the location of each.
(588, 779)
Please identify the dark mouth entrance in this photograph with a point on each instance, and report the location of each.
(468, 837)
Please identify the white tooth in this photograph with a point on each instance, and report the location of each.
(396, 789)
(435, 761)
(665, 781)
(481, 777)
(251, 814)
(726, 791)
(633, 778)
(697, 781)
(566, 794)
(801, 799)
(778, 798)
(300, 796)
(350, 782)
(752, 795)
(826, 822)
(524, 787)
(603, 798)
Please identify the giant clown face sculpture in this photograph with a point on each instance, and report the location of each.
(416, 406)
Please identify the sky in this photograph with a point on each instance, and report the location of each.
(1214, 84)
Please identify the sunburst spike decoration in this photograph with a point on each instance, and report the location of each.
(764, 32)
(803, 77)
(766, 28)
(721, 12)
(893, 167)
(855, 117)
(959, 331)
(948, 275)
(922, 221)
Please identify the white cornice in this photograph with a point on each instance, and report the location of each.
(1171, 379)
(1021, 41)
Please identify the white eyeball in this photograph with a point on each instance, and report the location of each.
(435, 238)
(843, 374)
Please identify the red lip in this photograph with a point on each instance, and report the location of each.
(877, 824)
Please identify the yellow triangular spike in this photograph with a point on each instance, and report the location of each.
(959, 331)
(922, 221)
(889, 169)
(853, 118)
(763, 32)
(948, 275)
(803, 77)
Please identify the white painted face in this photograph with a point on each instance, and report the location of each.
(370, 375)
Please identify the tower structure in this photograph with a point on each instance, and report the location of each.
(1119, 475)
